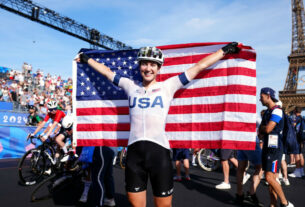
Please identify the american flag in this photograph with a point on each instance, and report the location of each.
(215, 110)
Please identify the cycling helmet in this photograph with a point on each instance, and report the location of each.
(52, 105)
(152, 54)
(67, 122)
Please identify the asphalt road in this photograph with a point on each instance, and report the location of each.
(200, 191)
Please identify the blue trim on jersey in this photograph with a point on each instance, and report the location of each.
(116, 79)
(183, 79)
(275, 118)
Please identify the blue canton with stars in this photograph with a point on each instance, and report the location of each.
(91, 85)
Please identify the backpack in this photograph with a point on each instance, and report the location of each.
(301, 131)
(291, 145)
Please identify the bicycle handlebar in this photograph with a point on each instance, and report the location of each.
(34, 137)
(31, 139)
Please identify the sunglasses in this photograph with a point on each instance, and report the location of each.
(50, 110)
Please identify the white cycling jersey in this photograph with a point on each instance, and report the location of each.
(148, 108)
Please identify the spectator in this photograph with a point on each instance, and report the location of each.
(26, 69)
(1, 92)
(21, 78)
(102, 178)
(271, 132)
(33, 89)
(24, 100)
(33, 118)
(14, 85)
(31, 99)
(181, 155)
(255, 157)
(299, 158)
(41, 83)
(30, 83)
(225, 156)
(11, 75)
(6, 94)
(14, 98)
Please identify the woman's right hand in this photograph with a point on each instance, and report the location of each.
(82, 58)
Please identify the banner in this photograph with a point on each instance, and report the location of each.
(13, 142)
(6, 105)
(13, 118)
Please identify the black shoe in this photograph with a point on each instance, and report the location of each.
(239, 199)
(253, 199)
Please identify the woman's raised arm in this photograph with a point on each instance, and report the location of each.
(101, 68)
(204, 63)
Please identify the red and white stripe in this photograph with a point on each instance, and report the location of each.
(216, 110)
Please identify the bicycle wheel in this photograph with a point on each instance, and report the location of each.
(31, 167)
(44, 189)
(50, 161)
(207, 160)
(123, 157)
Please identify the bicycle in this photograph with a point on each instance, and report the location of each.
(35, 162)
(208, 159)
(71, 170)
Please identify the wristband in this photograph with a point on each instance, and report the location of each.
(83, 58)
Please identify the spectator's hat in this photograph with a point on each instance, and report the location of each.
(270, 92)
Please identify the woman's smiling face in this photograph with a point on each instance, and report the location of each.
(149, 70)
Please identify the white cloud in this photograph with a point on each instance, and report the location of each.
(198, 24)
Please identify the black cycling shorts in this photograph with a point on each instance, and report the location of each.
(147, 159)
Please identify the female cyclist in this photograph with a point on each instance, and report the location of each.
(148, 147)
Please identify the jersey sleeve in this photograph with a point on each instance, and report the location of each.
(59, 116)
(123, 82)
(277, 115)
(175, 83)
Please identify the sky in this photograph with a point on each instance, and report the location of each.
(263, 25)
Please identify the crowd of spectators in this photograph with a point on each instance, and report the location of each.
(26, 87)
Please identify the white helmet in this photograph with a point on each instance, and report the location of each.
(67, 122)
(152, 54)
(52, 104)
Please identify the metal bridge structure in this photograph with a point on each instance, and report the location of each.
(52, 19)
